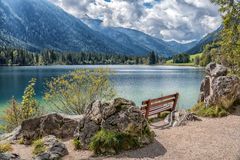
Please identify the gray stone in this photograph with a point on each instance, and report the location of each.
(86, 130)
(217, 88)
(119, 115)
(225, 89)
(204, 89)
(60, 125)
(180, 118)
(94, 111)
(54, 149)
(10, 137)
(9, 156)
(216, 70)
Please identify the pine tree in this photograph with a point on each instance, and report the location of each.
(151, 58)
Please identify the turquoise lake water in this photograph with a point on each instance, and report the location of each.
(134, 82)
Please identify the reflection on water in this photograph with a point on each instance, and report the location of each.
(133, 82)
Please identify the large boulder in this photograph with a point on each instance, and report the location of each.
(119, 115)
(54, 149)
(218, 88)
(59, 125)
(216, 70)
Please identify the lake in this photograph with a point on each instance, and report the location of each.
(134, 82)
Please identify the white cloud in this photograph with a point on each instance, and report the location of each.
(181, 20)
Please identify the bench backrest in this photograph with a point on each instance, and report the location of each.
(154, 106)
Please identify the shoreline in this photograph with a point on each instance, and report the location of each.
(211, 138)
(172, 64)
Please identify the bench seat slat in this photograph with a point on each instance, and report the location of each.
(159, 111)
(159, 99)
(158, 105)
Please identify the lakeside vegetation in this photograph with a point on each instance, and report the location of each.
(21, 57)
(69, 93)
(185, 60)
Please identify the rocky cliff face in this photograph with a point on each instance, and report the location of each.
(219, 88)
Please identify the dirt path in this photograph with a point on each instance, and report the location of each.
(209, 139)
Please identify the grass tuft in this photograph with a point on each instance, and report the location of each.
(77, 144)
(215, 111)
(38, 147)
(110, 142)
(5, 147)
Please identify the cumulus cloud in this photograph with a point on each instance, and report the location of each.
(180, 20)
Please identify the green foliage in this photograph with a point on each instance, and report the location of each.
(30, 106)
(109, 142)
(38, 147)
(5, 147)
(71, 93)
(213, 111)
(21, 140)
(20, 57)
(77, 144)
(210, 53)
(16, 113)
(152, 58)
(230, 35)
(181, 58)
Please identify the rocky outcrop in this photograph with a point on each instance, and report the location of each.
(9, 156)
(119, 115)
(59, 125)
(180, 118)
(218, 88)
(54, 149)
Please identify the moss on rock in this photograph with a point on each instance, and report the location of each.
(110, 142)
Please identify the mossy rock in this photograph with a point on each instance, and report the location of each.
(110, 142)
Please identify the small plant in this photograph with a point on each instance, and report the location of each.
(110, 142)
(38, 147)
(5, 147)
(18, 112)
(21, 141)
(77, 144)
(71, 93)
(213, 111)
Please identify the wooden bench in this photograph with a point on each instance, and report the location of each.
(155, 106)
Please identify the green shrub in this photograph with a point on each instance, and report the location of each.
(18, 112)
(109, 142)
(21, 141)
(213, 111)
(38, 147)
(5, 147)
(77, 144)
(71, 93)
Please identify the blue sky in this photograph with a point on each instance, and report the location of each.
(180, 20)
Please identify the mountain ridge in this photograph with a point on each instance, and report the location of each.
(38, 24)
